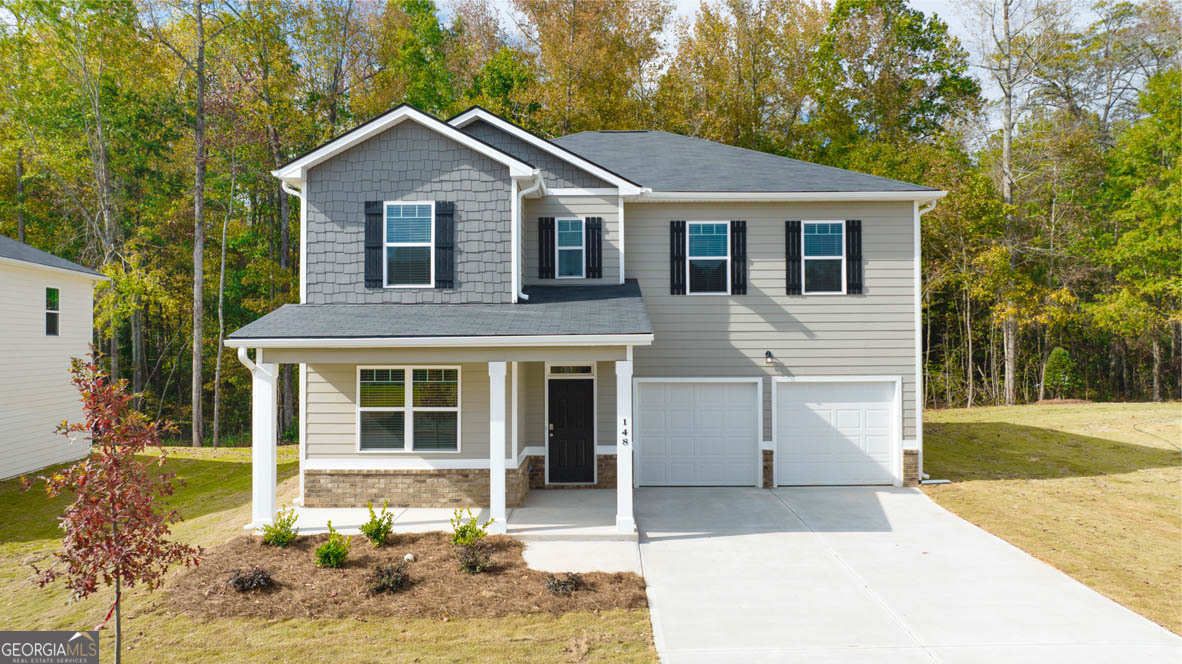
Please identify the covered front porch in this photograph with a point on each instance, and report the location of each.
(476, 418)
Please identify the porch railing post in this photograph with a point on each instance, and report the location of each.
(625, 521)
(496, 446)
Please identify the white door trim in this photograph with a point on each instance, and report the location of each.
(594, 378)
(757, 444)
(896, 466)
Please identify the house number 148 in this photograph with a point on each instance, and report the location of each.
(624, 432)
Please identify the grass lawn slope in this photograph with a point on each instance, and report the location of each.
(1093, 489)
(215, 502)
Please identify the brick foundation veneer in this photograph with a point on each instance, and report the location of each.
(910, 467)
(606, 478)
(769, 473)
(410, 488)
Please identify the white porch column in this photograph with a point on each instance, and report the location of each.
(625, 521)
(263, 439)
(496, 446)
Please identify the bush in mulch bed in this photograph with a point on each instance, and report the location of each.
(440, 588)
(474, 557)
(388, 578)
(246, 580)
(566, 585)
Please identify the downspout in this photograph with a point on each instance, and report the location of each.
(298, 193)
(519, 221)
(919, 212)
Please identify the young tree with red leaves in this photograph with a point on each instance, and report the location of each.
(113, 532)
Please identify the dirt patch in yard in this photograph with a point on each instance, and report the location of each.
(1060, 402)
(438, 588)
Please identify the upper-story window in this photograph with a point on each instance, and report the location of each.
(824, 257)
(52, 302)
(410, 244)
(570, 248)
(709, 257)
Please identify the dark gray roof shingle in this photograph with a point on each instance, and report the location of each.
(671, 162)
(10, 248)
(551, 310)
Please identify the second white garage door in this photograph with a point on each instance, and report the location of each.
(835, 432)
(697, 433)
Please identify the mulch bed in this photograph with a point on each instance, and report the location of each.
(438, 588)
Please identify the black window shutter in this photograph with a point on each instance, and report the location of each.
(373, 244)
(792, 251)
(738, 258)
(853, 256)
(445, 244)
(545, 247)
(677, 258)
(594, 248)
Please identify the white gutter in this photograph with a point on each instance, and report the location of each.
(783, 196)
(299, 193)
(518, 229)
(428, 342)
(918, 295)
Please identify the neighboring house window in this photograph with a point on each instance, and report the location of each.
(709, 257)
(51, 312)
(570, 248)
(410, 238)
(425, 418)
(823, 257)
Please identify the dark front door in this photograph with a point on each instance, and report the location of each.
(572, 430)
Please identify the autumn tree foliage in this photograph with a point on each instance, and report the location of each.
(115, 531)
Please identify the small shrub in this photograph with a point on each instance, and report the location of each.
(283, 531)
(246, 580)
(1060, 375)
(565, 586)
(333, 552)
(474, 557)
(388, 578)
(469, 532)
(379, 526)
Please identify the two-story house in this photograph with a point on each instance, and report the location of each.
(484, 312)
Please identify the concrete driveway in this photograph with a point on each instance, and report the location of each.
(854, 574)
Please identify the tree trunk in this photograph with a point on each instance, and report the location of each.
(199, 229)
(138, 361)
(968, 333)
(1156, 368)
(20, 195)
(118, 620)
(1009, 331)
(217, 370)
(113, 355)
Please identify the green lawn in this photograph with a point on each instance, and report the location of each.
(215, 502)
(1093, 489)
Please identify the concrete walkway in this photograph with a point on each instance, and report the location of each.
(835, 575)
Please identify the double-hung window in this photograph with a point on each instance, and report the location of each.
(824, 257)
(708, 255)
(408, 409)
(569, 247)
(410, 239)
(52, 304)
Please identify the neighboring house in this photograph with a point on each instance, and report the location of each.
(484, 312)
(46, 305)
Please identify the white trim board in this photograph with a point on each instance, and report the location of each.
(476, 113)
(295, 172)
(896, 465)
(4, 260)
(648, 196)
(402, 463)
(523, 341)
(637, 433)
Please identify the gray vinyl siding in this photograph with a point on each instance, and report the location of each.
(332, 415)
(408, 162)
(810, 335)
(579, 207)
(557, 172)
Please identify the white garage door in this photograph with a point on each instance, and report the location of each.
(697, 434)
(834, 433)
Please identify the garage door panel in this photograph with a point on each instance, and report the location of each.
(697, 434)
(834, 433)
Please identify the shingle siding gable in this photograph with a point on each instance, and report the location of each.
(408, 162)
